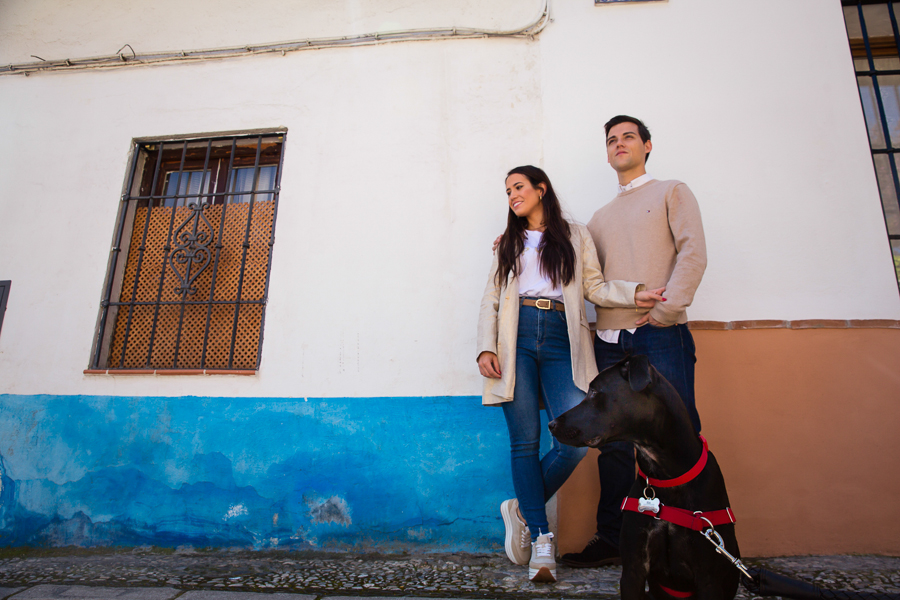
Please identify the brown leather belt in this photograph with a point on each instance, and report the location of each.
(544, 304)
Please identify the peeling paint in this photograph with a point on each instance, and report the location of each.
(330, 510)
(419, 533)
(235, 511)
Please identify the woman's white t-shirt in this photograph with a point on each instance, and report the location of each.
(531, 281)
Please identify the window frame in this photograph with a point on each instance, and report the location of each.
(871, 48)
(4, 298)
(139, 192)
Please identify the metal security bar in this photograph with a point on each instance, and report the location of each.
(873, 33)
(188, 276)
(4, 297)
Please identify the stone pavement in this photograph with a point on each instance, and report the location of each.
(154, 574)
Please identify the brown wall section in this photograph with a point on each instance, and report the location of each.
(805, 424)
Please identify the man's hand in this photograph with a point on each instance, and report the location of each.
(489, 365)
(649, 319)
(496, 243)
(649, 298)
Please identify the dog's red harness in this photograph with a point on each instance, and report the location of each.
(676, 593)
(695, 520)
(698, 521)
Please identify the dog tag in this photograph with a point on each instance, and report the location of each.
(648, 505)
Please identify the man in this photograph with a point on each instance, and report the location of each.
(650, 232)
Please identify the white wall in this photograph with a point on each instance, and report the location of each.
(755, 106)
(393, 178)
(392, 190)
(59, 29)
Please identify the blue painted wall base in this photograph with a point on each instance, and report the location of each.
(345, 474)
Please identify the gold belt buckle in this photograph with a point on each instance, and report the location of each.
(547, 304)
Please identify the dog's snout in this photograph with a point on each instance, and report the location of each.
(564, 432)
(558, 426)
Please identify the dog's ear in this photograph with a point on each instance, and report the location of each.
(640, 374)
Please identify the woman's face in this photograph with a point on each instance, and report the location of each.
(524, 199)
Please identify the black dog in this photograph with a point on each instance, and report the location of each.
(632, 402)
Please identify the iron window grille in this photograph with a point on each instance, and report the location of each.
(4, 297)
(872, 29)
(188, 275)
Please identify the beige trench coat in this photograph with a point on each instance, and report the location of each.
(498, 323)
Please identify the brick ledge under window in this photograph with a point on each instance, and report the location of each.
(168, 372)
(801, 324)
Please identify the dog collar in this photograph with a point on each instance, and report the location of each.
(693, 472)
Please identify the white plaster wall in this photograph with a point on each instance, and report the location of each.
(755, 106)
(391, 193)
(58, 29)
(393, 184)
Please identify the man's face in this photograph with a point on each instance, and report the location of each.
(624, 148)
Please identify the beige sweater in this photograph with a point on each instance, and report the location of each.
(652, 234)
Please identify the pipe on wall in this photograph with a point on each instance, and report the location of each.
(122, 59)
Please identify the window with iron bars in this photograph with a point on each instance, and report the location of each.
(188, 275)
(872, 29)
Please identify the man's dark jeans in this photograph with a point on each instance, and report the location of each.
(671, 351)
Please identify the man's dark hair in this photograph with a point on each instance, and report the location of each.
(642, 129)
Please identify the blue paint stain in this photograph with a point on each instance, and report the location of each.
(385, 474)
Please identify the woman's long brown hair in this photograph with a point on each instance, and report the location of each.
(555, 250)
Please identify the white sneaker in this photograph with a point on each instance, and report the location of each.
(518, 538)
(542, 567)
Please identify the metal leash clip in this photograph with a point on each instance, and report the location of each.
(720, 545)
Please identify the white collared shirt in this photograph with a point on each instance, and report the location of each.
(636, 182)
(611, 336)
(532, 282)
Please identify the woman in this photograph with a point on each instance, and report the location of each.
(534, 345)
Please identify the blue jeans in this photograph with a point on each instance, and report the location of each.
(543, 372)
(671, 350)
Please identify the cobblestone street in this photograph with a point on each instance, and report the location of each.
(330, 575)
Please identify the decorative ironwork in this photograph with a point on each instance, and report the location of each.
(192, 249)
(188, 276)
